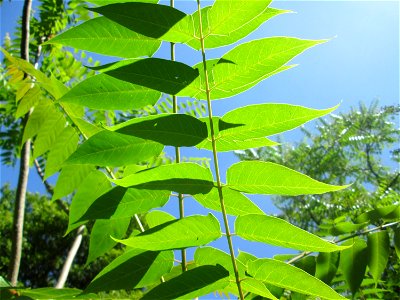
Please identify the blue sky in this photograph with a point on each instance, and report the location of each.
(359, 63)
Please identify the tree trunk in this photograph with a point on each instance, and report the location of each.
(70, 258)
(19, 209)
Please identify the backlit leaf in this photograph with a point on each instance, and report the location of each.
(107, 148)
(63, 147)
(101, 35)
(105, 92)
(162, 75)
(289, 277)
(92, 186)
(133, 269)
(100, 240)
(256, 177)
(168, 129)
(157, 217)
(50, 293)
(191, 284)
(378, 252)
(106, 2)
(236, 203)
(278, 232)
(33, 97)
(183, 233)
(185, 178)
(120, 202)
(353, 262)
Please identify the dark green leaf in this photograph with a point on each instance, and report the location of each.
(185, 178)
(158, 74)
(187, 232)
(133, 269)
(396, 241)
(168, 129)
(376, 214)
(378, 253)
(327, 265)
(353, 262)
(107, 148)
(100, 240)
(190, 284)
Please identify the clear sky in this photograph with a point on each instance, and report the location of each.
(359, 63)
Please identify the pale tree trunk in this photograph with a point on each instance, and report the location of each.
(19, 209)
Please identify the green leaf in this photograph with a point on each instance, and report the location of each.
(212, 256)
(378, 253)
(396, 241)
(183, 233)
(246, 127)
(307, 263)
(103, 36)
(248, 64)
(105, 92)
(133, 269)
(107, 148)
(120, 202)
(278, 232)
(254, 286)
(377, 214)
(256, 177)
(94, 185)
(32, 98)
(106, 2)
(236, 203)
(191, 284)
(50, 293)
(63, 147)
(289, 277)
(168, 129)
(69, 179)
(100, 240)
(155, 21)
(237, 20)
(162, 75)
(185, 178)
(353, 262)
(245, 257)
(37, 119)
(327, 265)
(157, 217)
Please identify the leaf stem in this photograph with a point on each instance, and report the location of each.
(215, 156)
(178, 156)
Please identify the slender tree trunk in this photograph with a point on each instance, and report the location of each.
(19, 209)
(70, 258)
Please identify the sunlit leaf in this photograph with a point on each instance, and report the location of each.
(256, 177)
(157, 217)
(378, 213)
(278, 232)
(235, 202)
(133, 269)
(107, 148)
(185, 178)
(105, 92)
(289, 277)
(183, 233)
